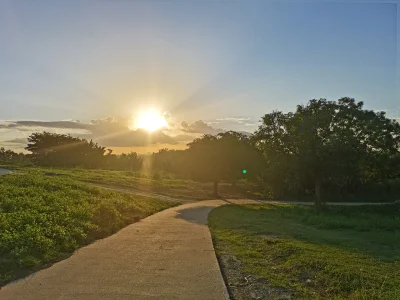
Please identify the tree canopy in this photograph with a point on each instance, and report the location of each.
(327, 142)
(62, 150)
(322, 149)
(222, 157)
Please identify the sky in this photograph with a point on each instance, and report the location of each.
(216, 65)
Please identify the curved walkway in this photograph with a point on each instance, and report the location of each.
(168, 255)
(4, 172)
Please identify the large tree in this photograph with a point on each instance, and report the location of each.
(327, 141)
(221, 157)
(171, 161)
(64, 150)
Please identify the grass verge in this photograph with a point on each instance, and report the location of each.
(289, 252)
(45, 218)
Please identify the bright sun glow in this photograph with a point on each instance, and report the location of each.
(150, 120)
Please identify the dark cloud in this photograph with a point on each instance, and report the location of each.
(51, 124)
(130, 138)
(111, 132)
(108, 132)
(109, 125)
(18, 141)
(200, 127)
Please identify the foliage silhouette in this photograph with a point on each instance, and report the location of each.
(60, 150)
(337, 145)
(326, 150)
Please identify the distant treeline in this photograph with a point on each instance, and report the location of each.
(328, 150)
(60, 150)
(8, 156)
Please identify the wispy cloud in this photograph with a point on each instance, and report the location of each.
(237, 119)
(17, 141)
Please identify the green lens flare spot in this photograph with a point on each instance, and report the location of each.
(244, 171)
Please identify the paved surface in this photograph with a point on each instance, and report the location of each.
(4, 172)
(168, 255)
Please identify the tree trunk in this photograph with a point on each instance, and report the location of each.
(216, 193)
(318, 198)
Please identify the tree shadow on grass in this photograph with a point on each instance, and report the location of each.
(367, 230)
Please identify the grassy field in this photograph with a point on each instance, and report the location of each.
(45, 218)
(160, 183)
(289, 252)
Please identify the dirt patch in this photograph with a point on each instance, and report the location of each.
(244, 286)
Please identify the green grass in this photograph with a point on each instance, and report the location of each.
(160, 183)
(345, 253)
(45, 218)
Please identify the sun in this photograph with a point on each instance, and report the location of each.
(150, 120)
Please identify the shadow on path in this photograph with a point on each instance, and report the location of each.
(199, 214)
(196, 215)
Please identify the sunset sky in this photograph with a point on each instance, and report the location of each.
(213, 65)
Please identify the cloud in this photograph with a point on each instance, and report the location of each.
(18, 141)
(199, 127)
(56, 124)
(108, 132)
(112, 132)
(235, 119)
(252, 124)
(129, 138)
(240, 124)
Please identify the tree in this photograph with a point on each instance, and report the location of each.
(221, 157)
(171, 161)
(64, 150)
(325, 142)
(126, 162)
(7, 156)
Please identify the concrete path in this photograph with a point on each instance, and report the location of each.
(4, 172)
(168, 255)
